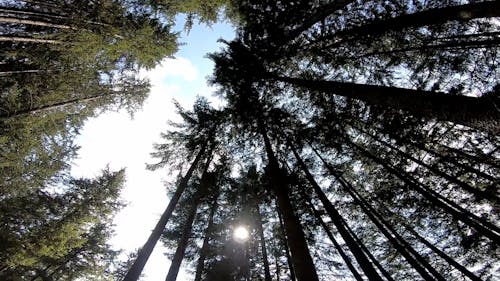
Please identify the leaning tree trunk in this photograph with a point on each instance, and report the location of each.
(285, 244)
(481, 113)
(487, 9)
(265, 260)
(338, 221)
(301, 257)
(188, 226)
(330, 235)
(200, 266)
(483, 227)
(439, 252)
(465, 186)
(317, 16)
(29, 40)
(435, 16)
(33, 22)
(54, 106)
(402, 246)
(136, 269)
(451, 46)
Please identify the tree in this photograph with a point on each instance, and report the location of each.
(60, 234)
(197, 133)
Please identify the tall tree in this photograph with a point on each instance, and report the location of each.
(60, 235)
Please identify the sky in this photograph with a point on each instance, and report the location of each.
(115, 139)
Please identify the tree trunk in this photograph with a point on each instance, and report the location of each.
(143, 255)
(404, 248)
(451, 45)
(33, 22)
(317, 16)
(435, 16)
(183, 241)
(338, 221)
(188, 226)
(7, 73)
(337, 246)
(200, 266)
(440, 253)
(481, 113)
(471, 157)
(295, 238)
(481, 225)
(301, 258)
(487, 9)
(29, 40)
(265, 260)
(450, 160)
(478, 193)
(54, 106)
(370, 256)
(285, 243)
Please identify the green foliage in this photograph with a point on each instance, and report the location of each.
(61, 232)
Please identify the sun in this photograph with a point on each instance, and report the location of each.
(240, 234)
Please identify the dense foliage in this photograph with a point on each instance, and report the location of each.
(358, 139)
(362, 141)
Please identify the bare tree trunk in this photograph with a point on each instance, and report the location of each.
(265, 260)
(136, 269)
(481, 225)
(29, 40)
(435, 16)
(478, 193)
(404, 248)
(188, 226)
(301, 257)
(285, 243)
(481, 113)
(200, 266)
(33, 22)
(7, 73)
(338, 221)
(337, 246)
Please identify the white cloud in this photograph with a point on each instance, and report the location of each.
(114, 139)
(171, 68)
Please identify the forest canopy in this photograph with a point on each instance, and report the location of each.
(358, 140)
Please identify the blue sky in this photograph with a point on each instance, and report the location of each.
(115, 139)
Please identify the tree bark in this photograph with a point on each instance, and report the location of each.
(370, 256)
(451, 45)
(301, 258)
(143, 255)
(440, 253)
(54, 106)
(7, 73)
(481, 113)
(317, 16)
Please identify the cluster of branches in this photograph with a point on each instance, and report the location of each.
(339, 166)
(62, 62)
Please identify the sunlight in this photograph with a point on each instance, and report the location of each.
(240, 234)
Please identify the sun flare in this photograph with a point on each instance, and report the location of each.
(240, 234)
